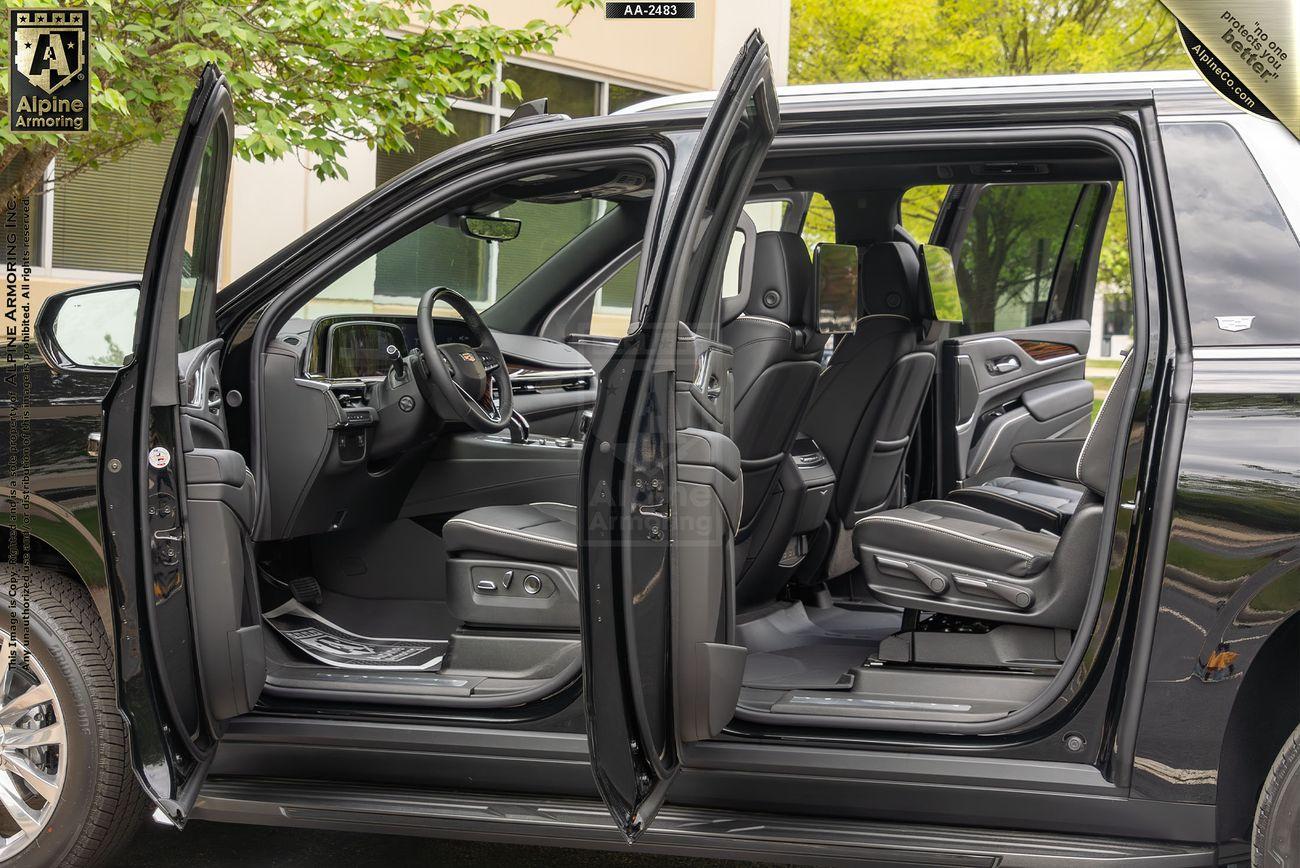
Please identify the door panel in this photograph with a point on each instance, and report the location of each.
(1011, 387)
(661, 475)
(1026, 257)
(155, 557)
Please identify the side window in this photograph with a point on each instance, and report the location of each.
(1009, 251)
(919, 209)
(201, 249)
(818, 223)
(611, 310)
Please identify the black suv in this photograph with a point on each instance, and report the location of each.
(561, 454)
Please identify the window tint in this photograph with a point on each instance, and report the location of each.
(1240, 257)
(1009, 253)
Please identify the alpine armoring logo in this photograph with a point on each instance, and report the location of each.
(49, 75)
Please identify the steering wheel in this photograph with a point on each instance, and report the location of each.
(464, 378)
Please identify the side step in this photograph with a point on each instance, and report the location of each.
(681, 831)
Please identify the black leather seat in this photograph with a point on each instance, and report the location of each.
(530, 532)
(940, 556)
(776, 360)
(866, 404)
(1034, 504)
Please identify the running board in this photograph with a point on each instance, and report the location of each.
(681, 831)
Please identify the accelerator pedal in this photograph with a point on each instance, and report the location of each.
(305, 590)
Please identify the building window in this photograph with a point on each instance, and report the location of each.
(35, 214)
(621, 97)
(429, 143)
(565, 94)
(103, 217)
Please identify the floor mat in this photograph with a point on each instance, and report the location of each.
(329, 643)
(813, 649)
(810, 667)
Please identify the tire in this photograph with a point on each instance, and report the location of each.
(100, 805)
(1276, 839)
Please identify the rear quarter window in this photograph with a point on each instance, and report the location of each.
(1240, 256)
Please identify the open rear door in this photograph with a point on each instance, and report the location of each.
(160, 545)
(661, 476)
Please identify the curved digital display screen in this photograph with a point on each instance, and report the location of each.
(360, 349)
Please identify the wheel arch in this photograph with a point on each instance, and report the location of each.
(1264, 713)
(63, 542)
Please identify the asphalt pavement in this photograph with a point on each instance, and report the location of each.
(226, 845)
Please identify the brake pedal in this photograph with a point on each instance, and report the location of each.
(305, 590)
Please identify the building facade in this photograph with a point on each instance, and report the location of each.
(94, 227)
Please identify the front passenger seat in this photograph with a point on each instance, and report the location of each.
(776, 359)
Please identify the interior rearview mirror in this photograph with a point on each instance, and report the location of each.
(940, 273)
(490, 228)
(836, 267)
(89, 329)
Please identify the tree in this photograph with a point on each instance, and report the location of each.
(307, 76)
(875, 40)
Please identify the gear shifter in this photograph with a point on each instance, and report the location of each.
(396, 362)
(518, 427)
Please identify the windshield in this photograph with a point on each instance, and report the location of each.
(440, 253)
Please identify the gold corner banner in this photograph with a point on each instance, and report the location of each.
(1247, 50)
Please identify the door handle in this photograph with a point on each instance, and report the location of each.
(714, 389)
(1003, 365)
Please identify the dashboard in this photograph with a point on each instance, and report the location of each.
(355, 346)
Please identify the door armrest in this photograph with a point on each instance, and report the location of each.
(1054, 459)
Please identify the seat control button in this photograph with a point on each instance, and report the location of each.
(486, 585)
(507, 579)
(532, 584)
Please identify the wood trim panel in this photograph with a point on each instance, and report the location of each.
(1044, 351)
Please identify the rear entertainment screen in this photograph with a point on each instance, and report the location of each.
(941, 273)
(837, 287)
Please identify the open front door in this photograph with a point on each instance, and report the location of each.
(661, 476)
(188, 648)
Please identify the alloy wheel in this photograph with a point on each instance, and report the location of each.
(33, 748)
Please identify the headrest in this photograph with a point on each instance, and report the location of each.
(1096, 456)
(888, 280)
(783, 286)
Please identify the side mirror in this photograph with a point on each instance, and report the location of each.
(90, 329)
(490, 228)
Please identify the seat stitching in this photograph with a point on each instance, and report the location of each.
(513, 533)
(950, 532)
